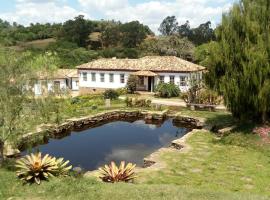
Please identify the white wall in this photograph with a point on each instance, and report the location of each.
(39, 90)
(116, 84)
(75, 86)
(106, 84)
(176, 79)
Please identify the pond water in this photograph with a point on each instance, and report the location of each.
(115, 141)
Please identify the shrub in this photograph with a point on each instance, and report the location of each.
(34, 167)
(111, 173)
(135, 102)
(128, 102)
(121, 91)
(110, 94)
(202, 96)
(167, 90)
(185, 96)
(206, 96)
(132, 84)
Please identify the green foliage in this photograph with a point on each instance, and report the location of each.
(121, 91)
(76, 31)
(35, 168)
(168, 46)
(240, 63)
(202, 96)
(70, 55)
(139, 103)
(15, 34)
(168, 26)
(132, 84)
(133, 33)
(119, 53)
(111, 36)
(15, 73)
(110, 94)
(203, 53)
(199, 35)
(167, 90)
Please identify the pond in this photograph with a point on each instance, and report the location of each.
(114, 141)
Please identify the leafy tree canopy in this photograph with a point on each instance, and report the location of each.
(239, 62)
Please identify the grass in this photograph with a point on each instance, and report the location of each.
(234, 166)
(37, 44)
(235, 163)
(87, 106)
(85, 188)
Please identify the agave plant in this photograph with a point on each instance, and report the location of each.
(62, 166)
(111, 173)
(34, 167)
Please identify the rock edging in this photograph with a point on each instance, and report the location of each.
(47, 131)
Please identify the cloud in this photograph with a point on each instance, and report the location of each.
(153, 12)
(148, 12)
(101, 5)
(33, 11)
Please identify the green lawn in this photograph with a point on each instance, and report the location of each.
(234, 166)
(85, 188)
(218, 164)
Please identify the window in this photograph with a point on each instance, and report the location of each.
(84, 74)
(111, 78)
(77, 83)
(172, 79)
(161, 79)
(122, 78)
(102, 79)
(93, 77)
(183, 80)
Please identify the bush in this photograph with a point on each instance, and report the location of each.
(132, 84)
(202, 96)
(140, 103)
(110, 94)
(121, 91)
(167, 90)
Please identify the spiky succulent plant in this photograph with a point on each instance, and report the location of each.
(62, 166)
(111, 173)
(34, 167)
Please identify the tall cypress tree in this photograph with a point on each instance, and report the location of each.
(240, 61)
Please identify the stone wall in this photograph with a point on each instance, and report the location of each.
(48, 131)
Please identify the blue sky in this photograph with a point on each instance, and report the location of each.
(150, 12)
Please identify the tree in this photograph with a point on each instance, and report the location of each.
(133, 33)
(240, 63)
(77, 31)
(202, 34)
(184, 30)
(111, 36)
(168, 46)
(168, 26)
(132, 84)
(15, 73)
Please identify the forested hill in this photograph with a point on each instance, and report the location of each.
(80, 40)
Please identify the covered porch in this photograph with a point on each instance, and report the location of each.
(146, 80)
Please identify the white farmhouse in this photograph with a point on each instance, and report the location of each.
(62, 79)
(113, 73)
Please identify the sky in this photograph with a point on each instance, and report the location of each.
(149, 12)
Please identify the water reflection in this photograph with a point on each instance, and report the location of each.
(115, 141)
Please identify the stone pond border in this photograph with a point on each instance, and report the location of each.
(152, 161)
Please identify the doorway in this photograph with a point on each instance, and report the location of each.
(150, 84)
